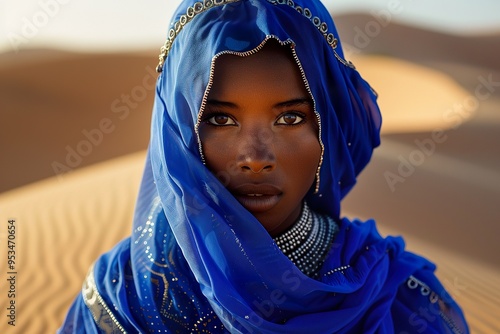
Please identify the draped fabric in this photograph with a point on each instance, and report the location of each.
(197, 261)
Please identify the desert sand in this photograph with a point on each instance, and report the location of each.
(74, 128)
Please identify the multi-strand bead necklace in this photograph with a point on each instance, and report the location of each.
(307, 242)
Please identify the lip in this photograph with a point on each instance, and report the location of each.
(257, 197)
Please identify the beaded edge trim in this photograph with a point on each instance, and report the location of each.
(184, 19)
(321, 26)
(425, 290)
(102, 314)
(304, 78)
(341, 269)
(413, 283)
(200, 7)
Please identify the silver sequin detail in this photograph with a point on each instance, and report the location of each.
(341, 269)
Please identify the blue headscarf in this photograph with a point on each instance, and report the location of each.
(197, 261)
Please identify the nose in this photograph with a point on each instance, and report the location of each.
(256, 153)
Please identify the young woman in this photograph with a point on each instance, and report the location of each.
(260, 127)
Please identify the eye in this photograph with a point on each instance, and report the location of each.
(290, 118)
(220, 120)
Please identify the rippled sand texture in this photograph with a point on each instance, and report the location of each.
(62, 227)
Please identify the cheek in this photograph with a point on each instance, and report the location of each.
(304, 154)
(219, 155)
(311, 158)
(215, 153)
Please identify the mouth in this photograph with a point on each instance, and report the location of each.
(257, 197)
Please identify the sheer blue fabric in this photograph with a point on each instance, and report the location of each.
(197, 261)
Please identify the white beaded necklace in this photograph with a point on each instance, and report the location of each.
(307, 242)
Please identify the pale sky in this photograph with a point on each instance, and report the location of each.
(126, 25)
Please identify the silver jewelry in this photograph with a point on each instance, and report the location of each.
(308, 241)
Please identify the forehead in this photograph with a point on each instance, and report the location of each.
(271, 69)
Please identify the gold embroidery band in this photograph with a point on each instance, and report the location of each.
(100, 311)
(202, 6)
(191, 12)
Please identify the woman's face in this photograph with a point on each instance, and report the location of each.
(260, 135)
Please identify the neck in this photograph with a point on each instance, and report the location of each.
(307, 242)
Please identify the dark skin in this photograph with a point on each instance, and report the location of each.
(260, 135)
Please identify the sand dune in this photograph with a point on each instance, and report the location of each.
(67, 110)
(402, 86)
(52, 104)
(365, 33)
(62, 227)
(48, 98)
(63, 111)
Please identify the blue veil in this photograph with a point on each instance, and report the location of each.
(197, 261)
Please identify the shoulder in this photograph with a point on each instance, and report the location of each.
(422, 305)
(361, 234)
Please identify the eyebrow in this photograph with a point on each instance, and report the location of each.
(295, 102)
(218, 103)
(284, 104)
